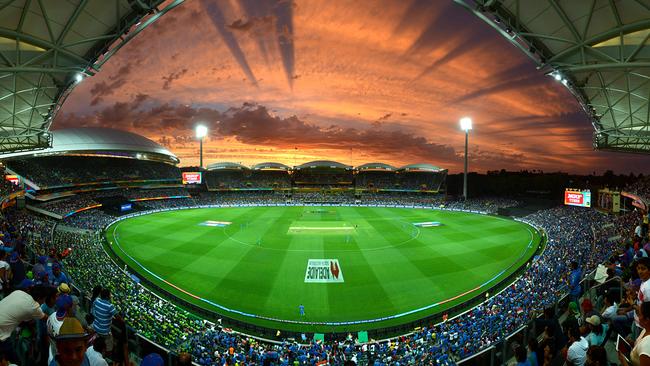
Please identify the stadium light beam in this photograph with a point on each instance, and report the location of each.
(201, 132)
(465, 125)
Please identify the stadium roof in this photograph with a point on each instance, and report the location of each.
(376, 166)
(225, 165)
(270, 166)
(100, 141)
(421, 168)
(323, 164)
(599, 49)
(47, 47)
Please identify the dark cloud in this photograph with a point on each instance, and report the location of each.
(284, 30)
(171, 77)
(385, 117)
(215, 14)
(443, 30)
(259, 13)
(417, 12)
(381, 119)
(518, 77)
(269, 12)
(575, 124)
(241, 24)
(253, 124)
(104, 89)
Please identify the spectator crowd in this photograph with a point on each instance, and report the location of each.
(45, 259)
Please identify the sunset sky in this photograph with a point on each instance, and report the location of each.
(352, 81)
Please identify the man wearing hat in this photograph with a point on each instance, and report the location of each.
(152, 359)
(58, 277)
(40, 264)
(598, 331)
(71, 344)
(64, 310)
(41, 278)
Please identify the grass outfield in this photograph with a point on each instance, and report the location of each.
(254, 260)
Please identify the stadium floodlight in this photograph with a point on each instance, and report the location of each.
(465, 125)
(201, 132)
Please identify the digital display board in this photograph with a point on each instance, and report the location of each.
(14, 179)
(577, 197)
(191, 177)
(126, 207)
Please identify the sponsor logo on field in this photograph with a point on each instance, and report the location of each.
(427, 224)
(215, 223)
(323, 271)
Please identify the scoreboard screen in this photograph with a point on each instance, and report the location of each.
(577, 197)
(191, 177)
(14, 179)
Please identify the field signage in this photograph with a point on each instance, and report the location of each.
(323, 271)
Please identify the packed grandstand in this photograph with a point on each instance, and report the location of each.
(55, 215)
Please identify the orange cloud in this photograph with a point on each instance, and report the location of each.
(347, 80)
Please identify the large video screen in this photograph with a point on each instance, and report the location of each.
(191, 177)
(577, 197)
(14, 179)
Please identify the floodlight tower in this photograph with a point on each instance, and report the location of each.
(465, 125)
(201, 132)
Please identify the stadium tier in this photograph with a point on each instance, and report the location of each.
(319, 175)
(448, 338)
(292, 255)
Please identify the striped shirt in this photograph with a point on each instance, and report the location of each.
(103, 311)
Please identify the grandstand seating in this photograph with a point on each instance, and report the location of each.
(573, 234)
(59, 171)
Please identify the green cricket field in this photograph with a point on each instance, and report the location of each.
(352, 268)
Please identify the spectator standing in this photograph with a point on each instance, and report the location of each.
(95, 353)
(58, 277)
(611, 307)
(104, 311)
(577, 352)
(5, 274)
(575, 288)
(17, 268)
(521, 356)
(39, 267)
(598, 331)
(64, 309)
(535, 356)
(643, 295)
(597, 356)
(640, 355)
(19, 306)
